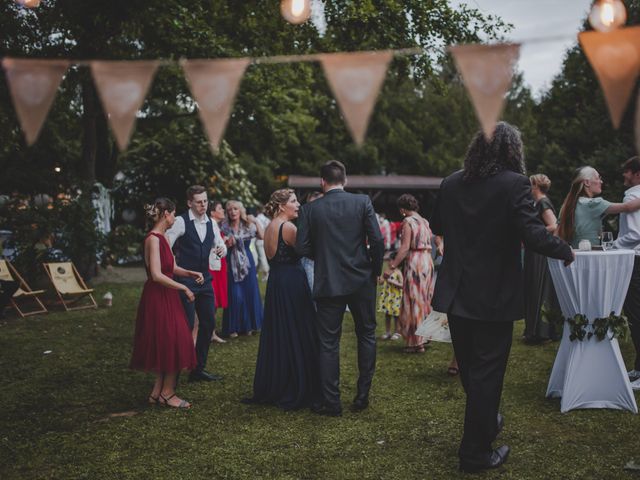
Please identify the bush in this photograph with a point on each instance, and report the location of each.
(124, 245)
(62, 230)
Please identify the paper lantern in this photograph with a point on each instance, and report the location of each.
(607, 15)
(296, 11)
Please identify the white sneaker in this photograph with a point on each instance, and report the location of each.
(633, 375)
(636, 385)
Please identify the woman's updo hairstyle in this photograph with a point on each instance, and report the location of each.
(408, 202)
(278, 198)
(156, 210)
(541, 181)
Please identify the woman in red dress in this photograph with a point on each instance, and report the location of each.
(162, 342)
(219, 275)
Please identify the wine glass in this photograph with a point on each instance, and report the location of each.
(607, 240)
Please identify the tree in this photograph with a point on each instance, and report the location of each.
(575, 129)
(285, 120)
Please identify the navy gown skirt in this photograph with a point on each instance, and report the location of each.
(286, 368)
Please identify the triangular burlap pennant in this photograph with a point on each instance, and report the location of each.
(615, 58)
(214, 85)
(122, 87)
(356, 79)
(33, 85)
(487, 71)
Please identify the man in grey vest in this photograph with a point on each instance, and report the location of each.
(334, 231)
(194, 236)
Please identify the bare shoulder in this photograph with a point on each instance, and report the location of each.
(289, 227)
(151, 240)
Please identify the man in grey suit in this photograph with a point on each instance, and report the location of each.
(335, 231)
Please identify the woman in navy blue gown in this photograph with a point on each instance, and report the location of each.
(243, 314)
(286, 368)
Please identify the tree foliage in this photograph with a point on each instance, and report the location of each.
(574, 128)
(285, 120)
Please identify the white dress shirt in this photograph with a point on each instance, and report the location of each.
(629, 234)
(200, 223)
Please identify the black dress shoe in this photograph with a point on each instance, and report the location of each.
(326, 411)
(500, 424)
(360, 403)
(202, 376)
(497, 458)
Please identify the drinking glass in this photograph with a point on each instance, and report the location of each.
(607, 240)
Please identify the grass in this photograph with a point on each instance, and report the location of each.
(57, 420)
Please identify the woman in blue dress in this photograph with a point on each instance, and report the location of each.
(287, 365)
(244, 312)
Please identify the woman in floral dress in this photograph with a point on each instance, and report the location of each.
(415, 251)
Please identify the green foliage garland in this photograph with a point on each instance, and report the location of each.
(580, 327)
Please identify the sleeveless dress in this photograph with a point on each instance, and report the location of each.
(418, 281)
(539, 292)
(219, 283)
(162, 341)
(287, 365)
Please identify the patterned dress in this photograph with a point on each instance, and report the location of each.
(418, 281)
(390, 297)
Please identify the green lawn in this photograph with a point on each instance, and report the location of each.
(56, 415)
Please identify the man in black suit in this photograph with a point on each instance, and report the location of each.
(334, 231)
(485, 212)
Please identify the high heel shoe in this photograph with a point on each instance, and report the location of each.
(164, 401)
(215, 338)
(153, 400)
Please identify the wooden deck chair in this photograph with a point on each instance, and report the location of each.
(69, 285)
(24, 295)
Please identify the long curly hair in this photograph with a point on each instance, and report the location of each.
(504, 152)
(278, 198)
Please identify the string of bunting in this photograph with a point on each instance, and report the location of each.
(355, 79)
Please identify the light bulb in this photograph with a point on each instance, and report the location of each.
(29, 3)
(296, 11)
(607, 15)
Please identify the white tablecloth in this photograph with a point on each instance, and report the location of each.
(591, 373)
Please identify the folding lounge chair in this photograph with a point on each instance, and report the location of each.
(24, 295)
(69, 285)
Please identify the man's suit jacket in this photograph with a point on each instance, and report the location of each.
(334, 231)
(484, 222)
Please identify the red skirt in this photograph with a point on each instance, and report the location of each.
(219, 282)
(163, 341)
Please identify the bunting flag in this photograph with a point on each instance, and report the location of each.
(615, 58)
(356, 79)
(122, 87)
(214, 85)
(33, 85)
(487, 72)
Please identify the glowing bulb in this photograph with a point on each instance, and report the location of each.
(607, 15)
(29, 3)
(297, 7)
(57, 169)
(296, 11)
